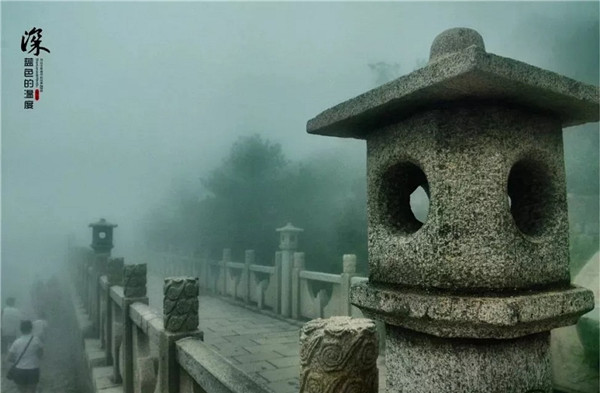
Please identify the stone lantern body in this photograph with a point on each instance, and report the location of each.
(468, 296)
(102, 236)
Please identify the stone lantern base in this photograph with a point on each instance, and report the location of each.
(439, 341)
(425, 363)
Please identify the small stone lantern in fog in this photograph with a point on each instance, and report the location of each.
(288, 236)
(102, 236)
(469, 296)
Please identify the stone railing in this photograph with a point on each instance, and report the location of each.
(130, 347)
(311, 294)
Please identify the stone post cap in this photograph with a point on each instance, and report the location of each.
(180, 304)
(114, 270)
(349, 261)
(330, 342)
(460, 69)
(134, 280)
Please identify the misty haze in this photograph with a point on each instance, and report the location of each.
(169, 225)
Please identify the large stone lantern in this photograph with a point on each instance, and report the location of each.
(470, 295)
(102, 236)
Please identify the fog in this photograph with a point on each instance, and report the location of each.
(141, 99)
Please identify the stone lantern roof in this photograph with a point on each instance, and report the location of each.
(289, 228)
(102, 223)
(459, 68)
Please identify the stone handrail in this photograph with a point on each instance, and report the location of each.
(214, 373)
(235, 265)
(262, 269)
(148, 320)
(319, 276)
(144, 350)
(307, 294)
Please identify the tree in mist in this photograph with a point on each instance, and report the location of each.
(174, 224)
(255, 190)
(244, 198)
(327, 198)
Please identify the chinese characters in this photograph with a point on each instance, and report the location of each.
(33, 40)
(33, 74)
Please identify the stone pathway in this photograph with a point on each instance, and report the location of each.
(265, 347)
(59, 373)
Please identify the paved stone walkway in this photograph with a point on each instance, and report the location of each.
(265, 347)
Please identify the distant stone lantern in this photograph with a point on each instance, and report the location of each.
(288, 236)
(102, 236)
(469, 296)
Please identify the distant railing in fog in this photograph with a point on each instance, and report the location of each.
(311, 294)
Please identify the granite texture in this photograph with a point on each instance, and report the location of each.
(134, 280)
(419, 363)
(211, 372)
(454, 40)
(180, 304)
(339, 355)
(486, 275)
(474, 316)
(469, 158)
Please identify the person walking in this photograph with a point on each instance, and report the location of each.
(26, 353)
(40, 326)
(11, 318)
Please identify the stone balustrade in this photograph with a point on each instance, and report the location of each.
(134, 348)
(131, 347)
(312, 294)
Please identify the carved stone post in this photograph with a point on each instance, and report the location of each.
(224, 270)
(296, 269)
(349, 270)
(288, 243)
(277, 283)
(98, 271)
(114, 276)
(206, 274)
(134, 290)
(180, 317)
(470, 294)
(339, 354)
(249, 259)
(102, 236)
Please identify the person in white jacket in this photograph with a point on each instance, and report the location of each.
(26, 352)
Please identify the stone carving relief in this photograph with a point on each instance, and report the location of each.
(134, 280)
(339, 355)
(180, 305)
(114, 271)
